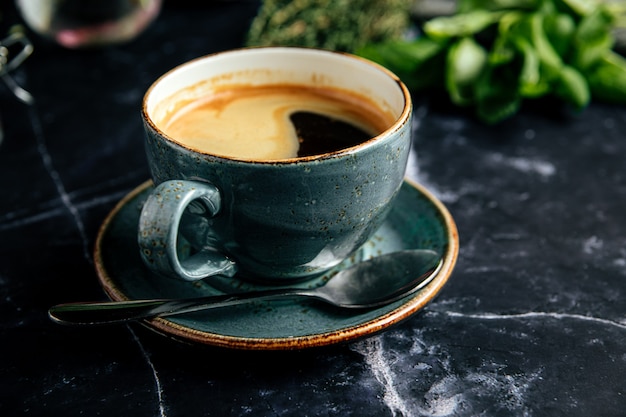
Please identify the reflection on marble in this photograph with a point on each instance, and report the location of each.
(421, 376)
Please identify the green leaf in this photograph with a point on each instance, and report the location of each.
(550, 59)
(581, 7)
(465, 62)
(504, 48)
(419, 63)
(593, 38)
(594, 25)
(496, 93)
(608, 79)
(465, 6)
(417, 52)
(531, 82)
(573, 88)
(498, 107)
(401, 56)
(560, 29)
(460, 25)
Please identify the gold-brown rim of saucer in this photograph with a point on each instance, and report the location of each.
(369, 328)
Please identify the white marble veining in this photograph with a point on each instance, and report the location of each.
(46, 158)
(455, 393)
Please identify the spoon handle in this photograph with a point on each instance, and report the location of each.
(93, 313)
(381, 282)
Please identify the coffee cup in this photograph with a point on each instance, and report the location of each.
(273, 163)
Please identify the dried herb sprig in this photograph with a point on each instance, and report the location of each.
(341, 25)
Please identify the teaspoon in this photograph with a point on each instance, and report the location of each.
(373, 283)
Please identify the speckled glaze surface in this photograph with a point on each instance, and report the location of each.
(416, 220)
(285, 219)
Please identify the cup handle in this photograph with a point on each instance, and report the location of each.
(158, 231)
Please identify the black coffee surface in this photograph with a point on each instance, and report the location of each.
(320, 134)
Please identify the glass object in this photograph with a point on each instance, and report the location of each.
(14, 49)
(85, 23)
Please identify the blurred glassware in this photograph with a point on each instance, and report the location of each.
(14, 49)
(85, 23)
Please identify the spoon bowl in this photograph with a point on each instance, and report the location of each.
(365, 285)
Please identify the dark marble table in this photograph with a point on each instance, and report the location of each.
(531, 323)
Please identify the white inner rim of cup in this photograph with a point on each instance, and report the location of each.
(277, 65)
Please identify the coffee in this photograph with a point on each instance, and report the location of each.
(274, 122)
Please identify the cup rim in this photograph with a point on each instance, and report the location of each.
(400, 120)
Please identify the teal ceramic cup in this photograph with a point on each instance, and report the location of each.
(276, 220)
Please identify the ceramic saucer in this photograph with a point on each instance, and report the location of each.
(417, 220)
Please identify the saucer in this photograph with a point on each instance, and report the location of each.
(417, 221)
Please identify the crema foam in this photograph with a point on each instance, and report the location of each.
(276, 121)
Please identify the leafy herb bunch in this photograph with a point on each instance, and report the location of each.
(493, 54)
